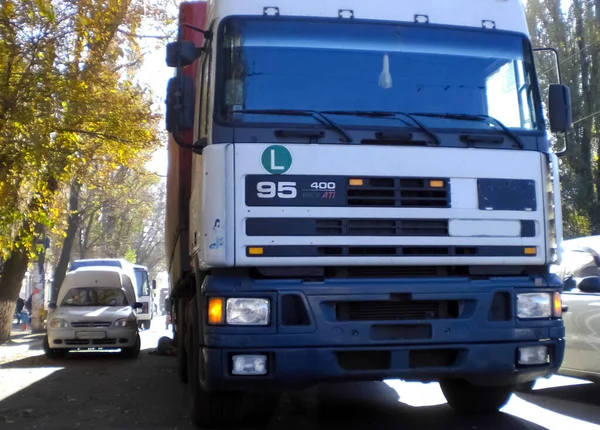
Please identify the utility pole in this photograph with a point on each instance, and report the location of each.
(39, 281)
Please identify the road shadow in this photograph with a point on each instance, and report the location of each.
(580, 401)
(375, 405)
(93, 391)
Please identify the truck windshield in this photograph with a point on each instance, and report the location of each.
(346, 65)
(143, 286)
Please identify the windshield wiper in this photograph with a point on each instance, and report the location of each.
(319, 116)
(470, 117)
(387, 114)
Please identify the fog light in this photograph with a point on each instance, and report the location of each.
(531, 355)
(249, 364)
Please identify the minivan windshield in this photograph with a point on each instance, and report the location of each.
(346, 65)
(95, 296)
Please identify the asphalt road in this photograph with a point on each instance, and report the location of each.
(103, 391)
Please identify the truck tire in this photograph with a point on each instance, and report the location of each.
(182, 365)
(222, 409)
(526, 387)
(469, 399)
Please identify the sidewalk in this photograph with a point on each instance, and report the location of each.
(20, 342)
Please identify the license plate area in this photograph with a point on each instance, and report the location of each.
(90, 335)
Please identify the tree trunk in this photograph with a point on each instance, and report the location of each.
(586, 196)
(14, 270)
(65, 254)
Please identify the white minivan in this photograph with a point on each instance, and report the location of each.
(95, 309)
(139, 278)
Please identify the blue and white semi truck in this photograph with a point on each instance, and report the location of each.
(360, 191)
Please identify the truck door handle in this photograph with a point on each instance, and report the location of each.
(565, 308)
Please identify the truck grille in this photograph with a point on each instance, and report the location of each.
(91, 342)
(396, 310)
(381, 227)
(87, 324)
(346, 227)
(400, 192)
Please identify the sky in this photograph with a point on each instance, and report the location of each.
(156, 74)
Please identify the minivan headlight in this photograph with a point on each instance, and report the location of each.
(124, 323)
(58, 323)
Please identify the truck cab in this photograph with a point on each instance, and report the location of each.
(361, 191)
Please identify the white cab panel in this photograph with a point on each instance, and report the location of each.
(214, 224)
(506, 14)
(470, 225)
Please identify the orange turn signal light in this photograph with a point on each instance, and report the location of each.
(436, 184)
(557, 299)
(255, 251)
(215, 310)
(356, 182)
(530, 251)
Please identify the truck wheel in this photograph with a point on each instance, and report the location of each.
(222, 409)
(182, 367)
(466, 398)
(53, 353)
(526, 387)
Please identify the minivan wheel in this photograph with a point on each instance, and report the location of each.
(132, 351)
(53, 353)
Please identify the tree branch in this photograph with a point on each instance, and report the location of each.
(144, 36)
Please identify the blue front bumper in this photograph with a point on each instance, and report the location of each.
(322, 348)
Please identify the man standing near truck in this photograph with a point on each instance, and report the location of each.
(167, 311)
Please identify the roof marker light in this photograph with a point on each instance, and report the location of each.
(346, 13)
(422, 19)
(271, 11)
(486, 23)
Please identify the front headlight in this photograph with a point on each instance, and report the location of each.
(58, 323)
(247, 311)
(125, 323)
(534, 305)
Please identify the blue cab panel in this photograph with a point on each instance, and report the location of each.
(421, 329)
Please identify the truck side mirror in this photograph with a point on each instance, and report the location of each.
(182, 53)
(591, 284)
(180, 104)
(559, 108)
(154, 284)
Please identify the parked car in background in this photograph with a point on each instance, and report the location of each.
(580, 271)
(95, 309)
